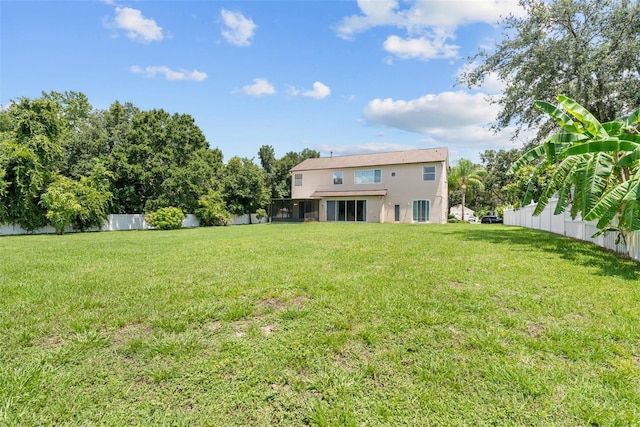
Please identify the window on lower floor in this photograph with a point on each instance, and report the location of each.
(347, 210)
(421, 211)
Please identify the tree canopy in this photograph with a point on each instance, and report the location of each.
(66, 164)
(588, 50)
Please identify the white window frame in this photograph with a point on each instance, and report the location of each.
(297, 180)
(427, 213)
(377, 174)
(338, 176)
(428, 175)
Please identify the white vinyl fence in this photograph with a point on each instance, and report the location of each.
(576, 229)
(126, 222)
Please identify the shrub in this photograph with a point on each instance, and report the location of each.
(82, 204)
(212, 210)
(169, 218)
(61, 204)
(261, 213)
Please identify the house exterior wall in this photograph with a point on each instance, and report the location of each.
(403, 184)
(457, 211)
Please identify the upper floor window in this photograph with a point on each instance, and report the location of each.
(337, 177)
(369, 176)
(428, 173)
(297, 178)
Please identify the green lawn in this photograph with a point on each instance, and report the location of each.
(318, 324)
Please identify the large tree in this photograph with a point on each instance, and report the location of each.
(244, 188)
(30, 154)
(588, 50)
(496, 163)
(159, 160)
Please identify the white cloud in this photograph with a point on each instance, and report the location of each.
(374, 13)
(458, 120)
(137, 27)
(425, 13)
(423, 114)
(429, 24)
(420, 48)
(238, 29)
(319, 91)
(169, 74)
(259, 87)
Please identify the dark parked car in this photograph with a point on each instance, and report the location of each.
(491, 219)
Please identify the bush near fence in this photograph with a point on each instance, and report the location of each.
(575, 228)
(119, 222)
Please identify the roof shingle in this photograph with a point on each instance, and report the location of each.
(375, 159)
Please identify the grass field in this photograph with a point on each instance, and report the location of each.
(318, 324)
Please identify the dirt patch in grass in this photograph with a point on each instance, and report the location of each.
(51, 342)
(241, 327)
(268, 329)
(535, 329)
(128, 332)
(299, 301)
(277, 304)
(214, 326)
(273, 303)
(280, 388)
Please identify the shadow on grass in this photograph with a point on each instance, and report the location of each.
(577, 251)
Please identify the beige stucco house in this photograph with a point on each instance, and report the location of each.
(401, 186)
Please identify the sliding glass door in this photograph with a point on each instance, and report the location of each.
(420, 211)
(347, 210)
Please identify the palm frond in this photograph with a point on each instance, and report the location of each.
(632, 119)
(603, 145)
(563, 119)
(588, 120)
(526, 158)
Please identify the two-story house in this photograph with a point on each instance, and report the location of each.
(401, 186)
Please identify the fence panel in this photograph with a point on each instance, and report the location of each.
(119, 222)
(575, 228)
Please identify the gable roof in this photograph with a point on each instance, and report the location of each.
(375, 159)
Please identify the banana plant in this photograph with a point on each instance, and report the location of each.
(597, 167)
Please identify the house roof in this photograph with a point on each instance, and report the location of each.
(320, 194)
(459, 208)
(375, 159)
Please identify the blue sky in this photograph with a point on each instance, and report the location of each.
(336, 76)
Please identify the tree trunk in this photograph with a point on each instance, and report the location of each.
(463, 202)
